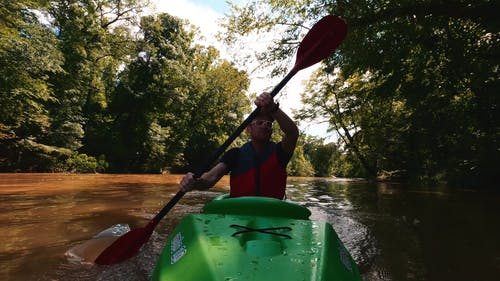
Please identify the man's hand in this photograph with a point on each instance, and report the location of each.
(188, 182)
(266, 103)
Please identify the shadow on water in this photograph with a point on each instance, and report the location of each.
(337, 202)
(397, 232)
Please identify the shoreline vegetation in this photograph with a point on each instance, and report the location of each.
(411, 94)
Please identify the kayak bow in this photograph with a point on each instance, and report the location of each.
(254, 238)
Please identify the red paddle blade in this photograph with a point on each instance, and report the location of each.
(127, 245)
(323, 38)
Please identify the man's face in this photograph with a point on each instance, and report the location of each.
(261, 128)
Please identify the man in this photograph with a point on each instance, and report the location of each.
(258, 168)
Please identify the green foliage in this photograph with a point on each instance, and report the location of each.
(28, 57)
(82, 86)
(323, 157)
(299, 165)
(414, 87)
(82, 163)
(33, 156)
(95, 42)
(159, 92)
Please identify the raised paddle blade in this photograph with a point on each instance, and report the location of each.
(318, 44)
(127, 245)
(323, 38)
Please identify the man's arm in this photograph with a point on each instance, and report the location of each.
(290, 130)
(207, 180)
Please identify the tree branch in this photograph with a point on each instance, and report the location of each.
(486, 13)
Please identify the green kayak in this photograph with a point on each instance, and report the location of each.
(254, 238)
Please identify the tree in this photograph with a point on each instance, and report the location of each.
(425, 69)
(79, 89)
(28, 57)
(220, 106)
(95, 43)
(175, 101)
(299, 165)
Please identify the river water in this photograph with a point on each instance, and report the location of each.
(394, 232)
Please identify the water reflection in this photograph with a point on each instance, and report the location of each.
(397, 232)
(337, 202)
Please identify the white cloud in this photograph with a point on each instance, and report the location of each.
(207, 19)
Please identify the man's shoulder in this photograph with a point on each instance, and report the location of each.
(231, 157)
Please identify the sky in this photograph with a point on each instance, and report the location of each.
(206, 15)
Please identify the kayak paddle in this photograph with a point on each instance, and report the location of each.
(321, 40)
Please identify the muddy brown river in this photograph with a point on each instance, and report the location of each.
(394, 232)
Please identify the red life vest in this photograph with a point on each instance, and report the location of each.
(258, 176)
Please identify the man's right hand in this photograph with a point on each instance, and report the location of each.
(187, 183)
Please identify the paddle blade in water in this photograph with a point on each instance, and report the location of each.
(127, 245)
(319, 43)
(323, 38)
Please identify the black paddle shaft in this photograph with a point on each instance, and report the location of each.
(319, 42)
(208, 164)
(242, 127)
